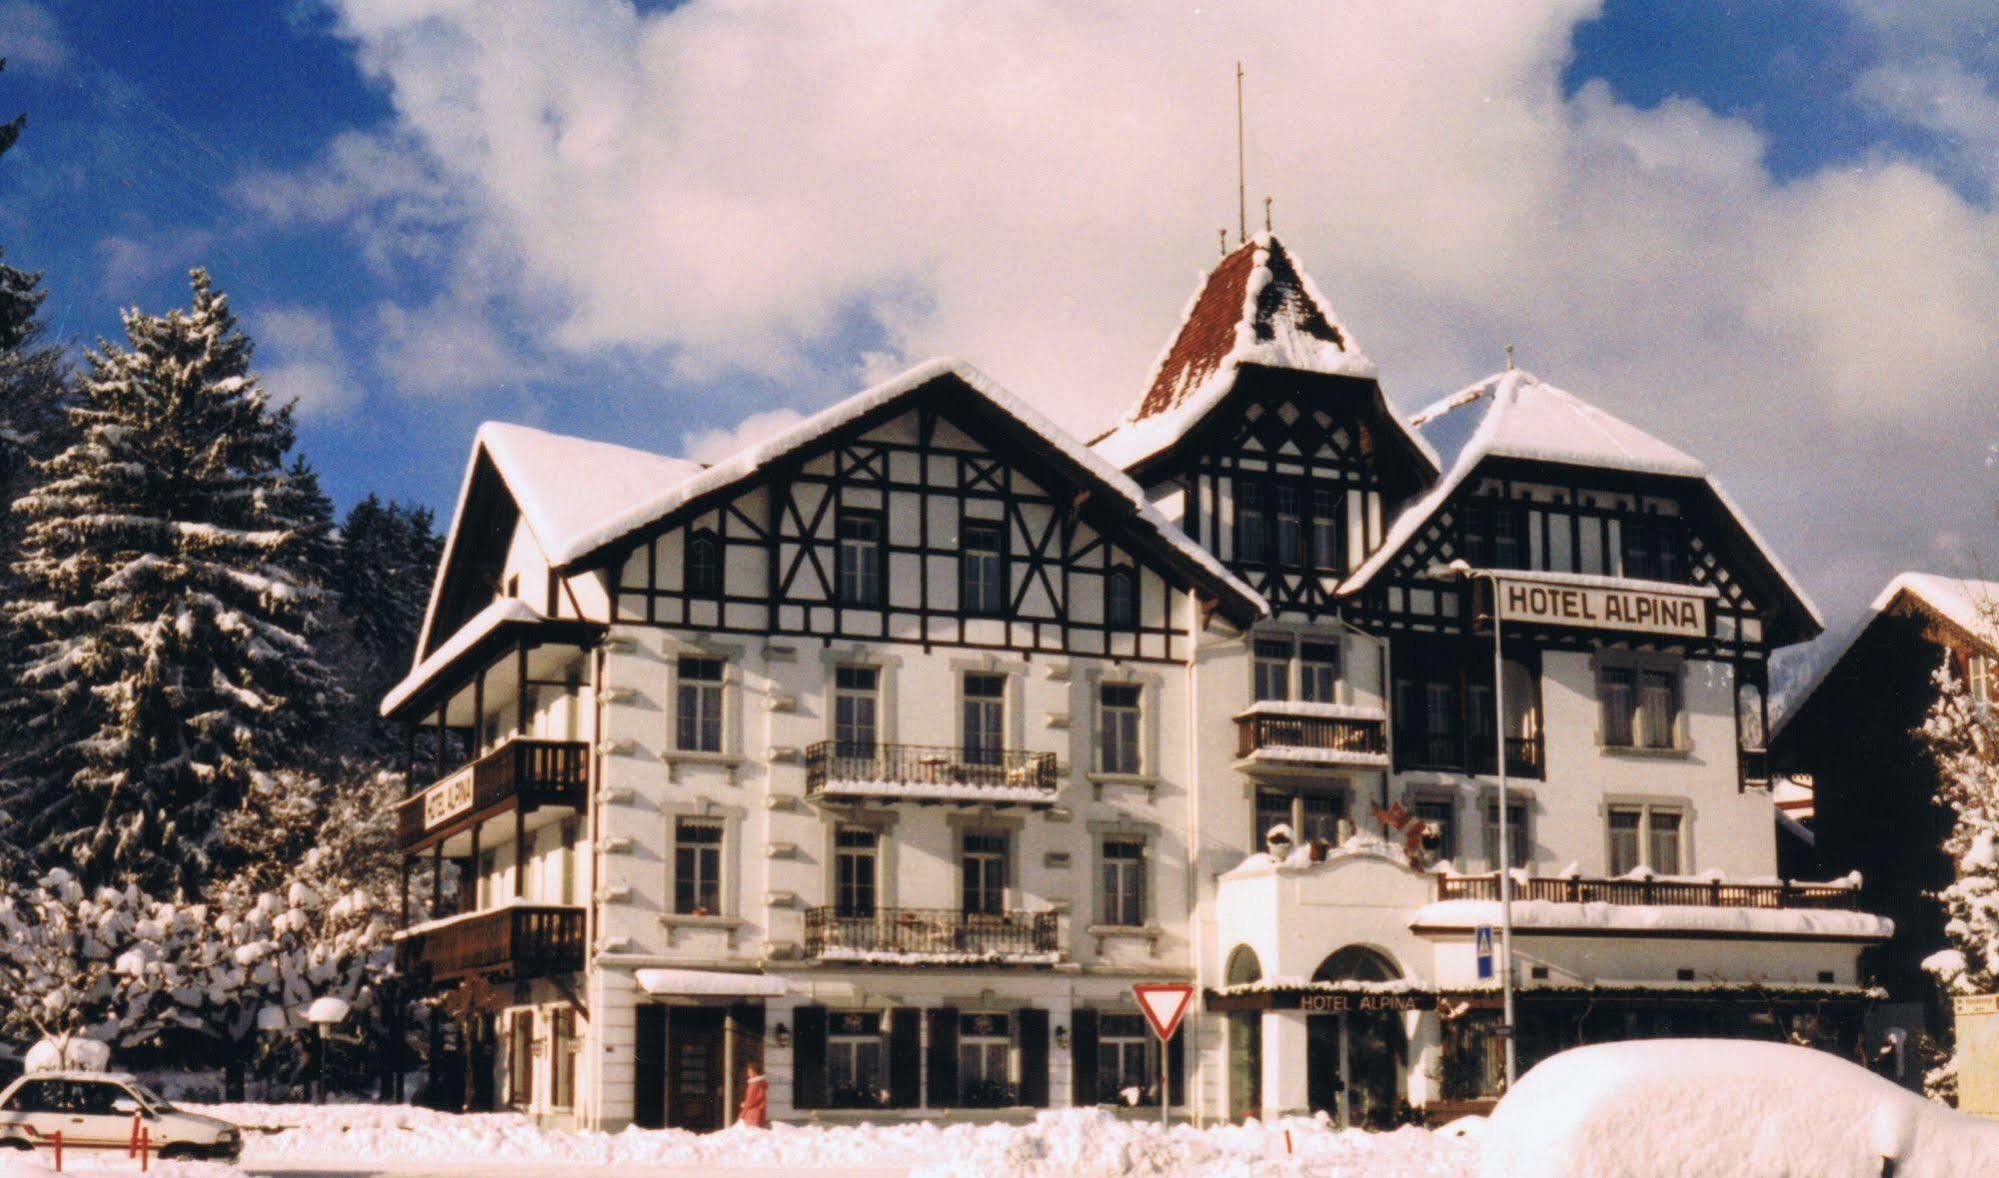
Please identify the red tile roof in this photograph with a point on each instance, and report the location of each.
(1218, 313)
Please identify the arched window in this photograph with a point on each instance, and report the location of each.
(1121, 598)
(1357, 963)
(1243, 967)
(704, 564)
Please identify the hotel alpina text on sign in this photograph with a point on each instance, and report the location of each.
(448, 798)
(1601, 607)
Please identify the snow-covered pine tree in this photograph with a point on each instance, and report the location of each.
(166, 607)
(381, 574)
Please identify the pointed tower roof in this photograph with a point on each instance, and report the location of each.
(1256, 306)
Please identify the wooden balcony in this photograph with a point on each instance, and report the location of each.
(515, 943)
(931, 936)
(930, 774)
(1669, 892)
(1448, 752)
(527, 774)
(1270, 733)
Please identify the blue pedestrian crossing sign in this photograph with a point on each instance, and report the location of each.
(1482, 943)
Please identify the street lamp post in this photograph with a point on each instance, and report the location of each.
(1462, 571)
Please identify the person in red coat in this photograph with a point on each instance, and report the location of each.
(756, 1098)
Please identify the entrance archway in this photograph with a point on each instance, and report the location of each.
(1356, 1058)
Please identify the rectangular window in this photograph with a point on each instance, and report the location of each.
(985, 718)
(1121, 598)
(856, 1076)
(1249, 522)
(1127, 1071)
(1626, 825)
(1519, 842)
(1981, 678)
(562, 1046)
(1662, 838)
(1312, 814)
(1124, 881)
(698, 722)
(1271, 668)
(982, 569)
(859, 560)
(520, 1060)
(1318, 672)
(856, 857)
(1290, 527)
(985, 1058)
(856, 701)
(1326, 552)
(1442, 818)
(1117, 728)
(1617, 699)
(984, 870)
(1658, 709)
(697, 867)
(704, 564)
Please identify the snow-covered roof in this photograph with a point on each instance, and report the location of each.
(1256, 307)
(504, 611)
(566, 486)
(1970, 605)
(1964, 602)
(1549, 916)
(1514, 414)
(641, 511)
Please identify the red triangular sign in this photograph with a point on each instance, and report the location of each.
(1164, 1005)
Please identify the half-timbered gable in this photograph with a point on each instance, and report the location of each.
(1263, 433)
(937, 516)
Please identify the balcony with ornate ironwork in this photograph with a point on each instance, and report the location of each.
(932, 936)
(521, 775)
(930, 774)
(512, 943)
(1289, 732)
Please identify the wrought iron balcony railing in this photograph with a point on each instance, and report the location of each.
(930, 935)
(930, 772)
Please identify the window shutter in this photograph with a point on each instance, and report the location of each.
(905, 1057)
(943, 1057)
(808, 1057)
(1176, 1068)
(1032, 1027)
(649, 1068)
(1083, 1058)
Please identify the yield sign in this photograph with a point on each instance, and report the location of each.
(1164, 1004)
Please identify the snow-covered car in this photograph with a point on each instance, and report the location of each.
(98, 1110)
(1694, 1108)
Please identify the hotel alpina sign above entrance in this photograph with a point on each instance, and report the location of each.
(1600, 606)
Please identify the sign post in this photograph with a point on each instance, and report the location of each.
(1164, 1004)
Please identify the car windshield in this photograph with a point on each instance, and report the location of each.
(150, 1098)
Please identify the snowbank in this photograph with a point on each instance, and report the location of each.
(1694, 1108)
(1064, 1144)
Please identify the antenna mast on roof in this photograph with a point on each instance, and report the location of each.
(1223, 235)
(1509, 357)
(1241, 185)
(1266, 215)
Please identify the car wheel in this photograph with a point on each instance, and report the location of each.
(172, 1153)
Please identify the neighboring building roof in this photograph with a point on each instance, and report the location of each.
(1971, 606)
(1965, 604)
(1256, 307)
(1514, 414)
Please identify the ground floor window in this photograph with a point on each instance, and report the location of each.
(985, 1061)
(562, 1048)
(1127, 1062)
(855, 1073)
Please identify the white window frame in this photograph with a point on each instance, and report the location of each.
(1003, 1041)
(1646, 809)
(1134, 870)
(1129, 731)
(719, 848)
(1640, 665)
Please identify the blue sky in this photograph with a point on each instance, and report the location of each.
(386, 194)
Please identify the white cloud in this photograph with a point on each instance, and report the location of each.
(713, 445)
(445, 348)
(1031, 186)
(311, 367)
(30, 36)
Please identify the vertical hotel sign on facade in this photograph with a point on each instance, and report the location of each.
(1603, 606)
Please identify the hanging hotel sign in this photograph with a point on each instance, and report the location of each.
(1603, 607)
(448, 798)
